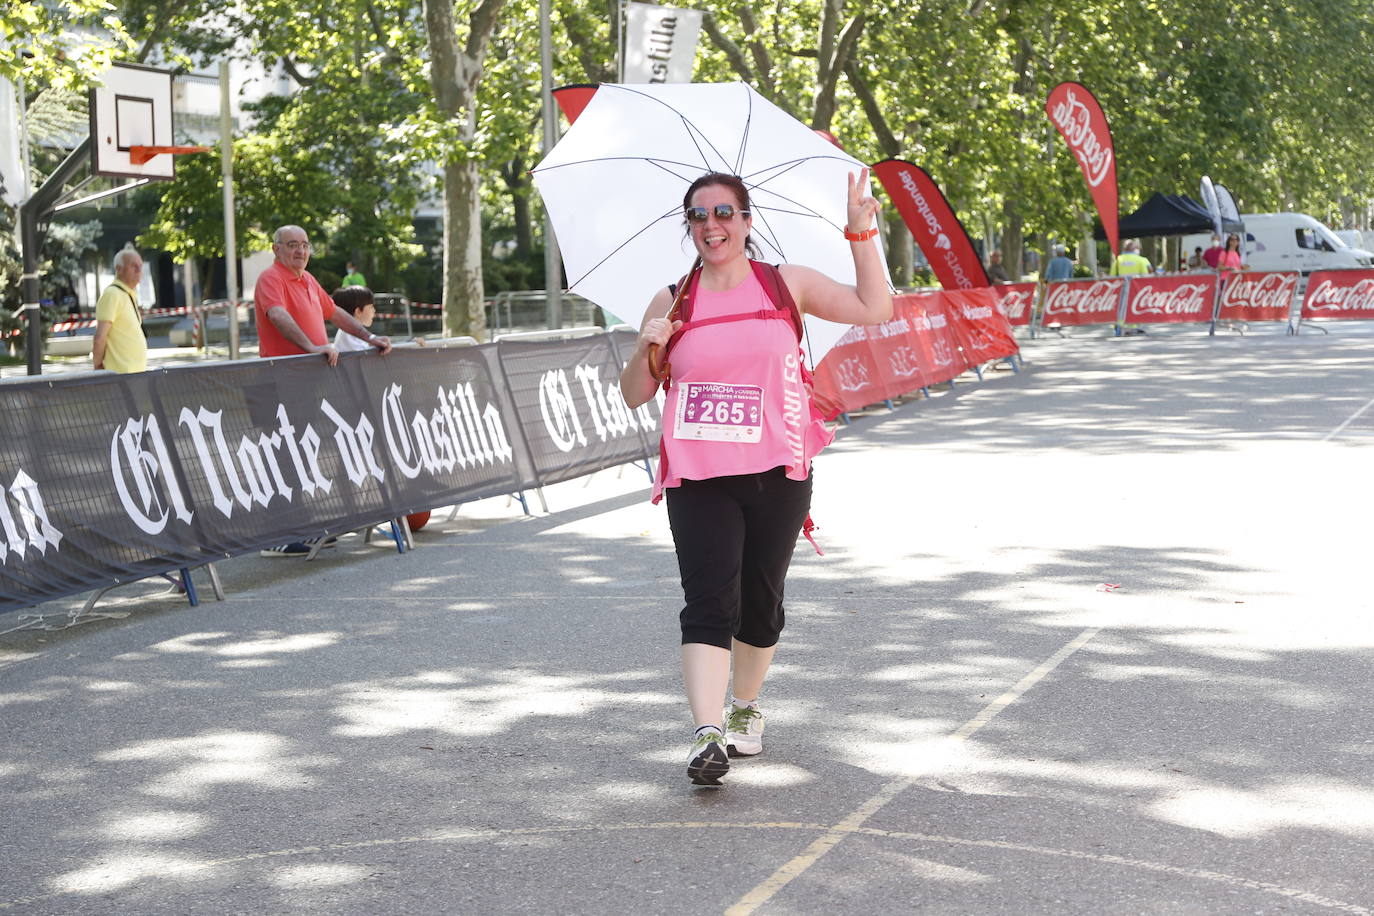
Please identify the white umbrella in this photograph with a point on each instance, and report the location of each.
(613, 187)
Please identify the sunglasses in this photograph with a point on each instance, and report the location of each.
(722, 212)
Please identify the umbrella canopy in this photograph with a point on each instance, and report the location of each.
(614, 184)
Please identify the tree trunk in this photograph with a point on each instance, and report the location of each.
(1012, 240)
(901, 260)
(517, 181)
(464, 309)
(455, 74)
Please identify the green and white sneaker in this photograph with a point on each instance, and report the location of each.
(743, 731)
(708, 761)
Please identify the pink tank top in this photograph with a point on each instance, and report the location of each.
(738, 404)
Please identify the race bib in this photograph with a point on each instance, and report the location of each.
(716, 412)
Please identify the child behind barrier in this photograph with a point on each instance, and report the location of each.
(356, 301)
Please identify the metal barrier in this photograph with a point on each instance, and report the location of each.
(556, 333)
(516, 310)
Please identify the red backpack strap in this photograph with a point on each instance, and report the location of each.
(684, 311)
(770, 278)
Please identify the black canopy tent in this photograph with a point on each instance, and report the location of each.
(1168, 214)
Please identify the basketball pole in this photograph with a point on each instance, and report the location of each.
(34, 215)
(226, 151)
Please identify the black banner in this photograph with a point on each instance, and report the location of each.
(110, 478)
(568, 395)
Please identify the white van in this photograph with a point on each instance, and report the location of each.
(1356, 238)
(1289, 241)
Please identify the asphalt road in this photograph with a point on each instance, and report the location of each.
(1092, 638)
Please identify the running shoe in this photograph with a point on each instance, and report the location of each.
(294, 549)
(743, 731)
(708, 761)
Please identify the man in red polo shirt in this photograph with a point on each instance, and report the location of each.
(292, 307)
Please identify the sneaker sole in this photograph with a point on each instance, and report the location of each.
(734, 751)
(708, 767)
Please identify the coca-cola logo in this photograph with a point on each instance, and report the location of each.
(1185, 299)
(1015, 304)
(1097, 298)
(1330, 296)
(1074, 120)
(1261, 291)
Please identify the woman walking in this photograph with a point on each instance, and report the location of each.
(737, 441)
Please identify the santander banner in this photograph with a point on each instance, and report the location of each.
(1071, 302)
(1075, 113)
(1156, 300)
(1258, 296)
(1016, 301)
(572, 99)
(1339, 294)
(933, 224)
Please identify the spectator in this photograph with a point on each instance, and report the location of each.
(1229, 259)
(291, 309)
(119, 343)
(356, 301)
(1130, 260)
(1210, 256)
(1130, 263)
(1196, 261)
(1059, 266)
(352, 277)
(996, 272)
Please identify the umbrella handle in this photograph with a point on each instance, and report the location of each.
(658, 370)
(659, 367)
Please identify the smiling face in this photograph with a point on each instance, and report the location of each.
(719, 240)
(292, 248)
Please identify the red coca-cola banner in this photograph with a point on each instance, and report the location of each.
(1016, 301)
(1157, 300)
(1073, 302)
(1258, 296)
(572, 99)
(981, 328)
(1075, 113)
(1339, 294)
(933, 224)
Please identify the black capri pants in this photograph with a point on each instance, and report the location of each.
(734, 537)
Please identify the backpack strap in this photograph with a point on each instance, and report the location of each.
(770, 278)
(682, 312)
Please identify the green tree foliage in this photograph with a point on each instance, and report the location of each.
(1272, 98)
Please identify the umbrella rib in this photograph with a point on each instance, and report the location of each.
(744, 135)
(693, 130)
(591, 270)
(652, 160)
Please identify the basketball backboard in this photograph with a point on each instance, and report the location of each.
(132, 108)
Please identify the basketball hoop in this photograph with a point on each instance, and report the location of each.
(138, 155)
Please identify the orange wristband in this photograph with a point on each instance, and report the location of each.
(860, 236)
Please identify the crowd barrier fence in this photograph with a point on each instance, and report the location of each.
(932, 337)
(1239, 298)
(111, 478)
